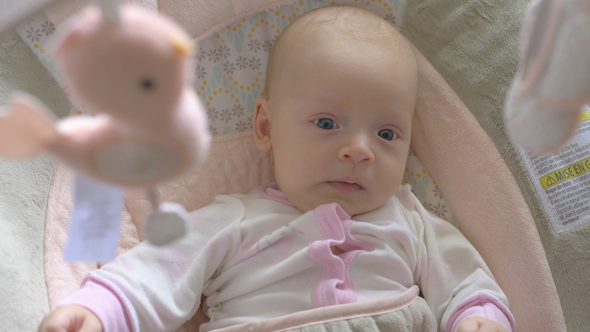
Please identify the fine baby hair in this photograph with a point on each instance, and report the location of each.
(134, 67)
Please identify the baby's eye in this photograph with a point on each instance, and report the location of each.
(387, 134)
(326, 123)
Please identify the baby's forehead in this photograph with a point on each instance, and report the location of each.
(343, 22)
(335, 27)
(331, 31)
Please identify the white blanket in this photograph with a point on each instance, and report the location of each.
(24, 186)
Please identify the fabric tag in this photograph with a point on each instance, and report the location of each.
(95, 224)
(562, 178)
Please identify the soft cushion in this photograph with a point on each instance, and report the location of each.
(448, 139)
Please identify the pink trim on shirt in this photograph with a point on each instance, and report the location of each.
(270, 191)
(481, 304)
(334, 287)
(106, 301)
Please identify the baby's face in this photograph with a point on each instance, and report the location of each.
(340, 124)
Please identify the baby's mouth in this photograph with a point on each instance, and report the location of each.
(345, 186)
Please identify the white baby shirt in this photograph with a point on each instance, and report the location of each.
(256, 257)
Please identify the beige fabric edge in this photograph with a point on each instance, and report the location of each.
(330, 314)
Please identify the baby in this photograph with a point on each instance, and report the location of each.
(335, 228)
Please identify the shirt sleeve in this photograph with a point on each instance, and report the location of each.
(480, 305)
(107, 302)
(452, 275)
(159, 288)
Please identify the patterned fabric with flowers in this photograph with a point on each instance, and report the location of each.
(230, 73)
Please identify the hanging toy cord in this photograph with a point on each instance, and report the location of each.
(166, 222)
(152, 197)
(110, 10)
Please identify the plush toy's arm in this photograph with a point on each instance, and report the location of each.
(543, 104)
(26, 127)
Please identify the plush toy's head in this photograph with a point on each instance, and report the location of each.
(136, 72)
(134, 69)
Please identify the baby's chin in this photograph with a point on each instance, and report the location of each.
(350, 207)
(354, 209)
(353, 202)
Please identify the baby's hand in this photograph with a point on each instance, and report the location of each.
(70, 318)
(480, 324)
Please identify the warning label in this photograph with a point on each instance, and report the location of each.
(566, 173)
(563, 179)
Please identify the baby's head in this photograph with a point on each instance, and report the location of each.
(340, 93)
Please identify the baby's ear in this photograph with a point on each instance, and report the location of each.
(261, 122)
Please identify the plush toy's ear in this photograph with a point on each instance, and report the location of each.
(553, 82)
(73, 28)
(567, 79)
(65, 43)
(537, 127)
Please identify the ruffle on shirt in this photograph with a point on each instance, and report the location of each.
(334, 287)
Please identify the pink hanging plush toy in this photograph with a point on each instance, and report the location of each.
(553, 81)
(135, 67)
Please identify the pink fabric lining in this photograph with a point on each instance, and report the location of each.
(106, 301)
(330, 314)
(270, 191)
(485, 305)
(334, 287)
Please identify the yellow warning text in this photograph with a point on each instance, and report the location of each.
(565, 173)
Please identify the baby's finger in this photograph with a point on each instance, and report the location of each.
(51, 324)
(469, 325)
(91, 324)
(491, 328)
(70, 319)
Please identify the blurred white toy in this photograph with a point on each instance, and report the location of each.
(134, 67)
(553, 81)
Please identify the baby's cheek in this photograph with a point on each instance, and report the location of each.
(385, 172)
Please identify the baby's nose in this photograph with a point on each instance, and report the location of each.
(357, 151)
